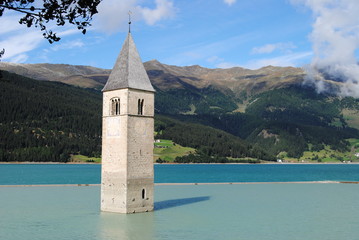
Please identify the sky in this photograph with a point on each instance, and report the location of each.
(210, 33)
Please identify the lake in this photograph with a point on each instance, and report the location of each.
(264, 211)
(29, 174)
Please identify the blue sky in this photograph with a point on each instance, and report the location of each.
(210, 33)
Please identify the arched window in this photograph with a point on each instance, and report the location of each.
(143, 193)
(140, 106)
(115, 106)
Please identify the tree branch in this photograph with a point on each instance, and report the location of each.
(75, 12)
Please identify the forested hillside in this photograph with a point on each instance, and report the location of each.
(207, 140)
(50, 121)
(290, 120)
(47, 121)
(298, 119)
(194, 101)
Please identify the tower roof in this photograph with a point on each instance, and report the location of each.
(128, 71)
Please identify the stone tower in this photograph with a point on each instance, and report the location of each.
(127, 135)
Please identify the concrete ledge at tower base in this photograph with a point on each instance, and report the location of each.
(129, 210)
(140, 210)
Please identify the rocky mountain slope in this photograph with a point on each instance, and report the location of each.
(239, 81)
(82, 76)
(236, 80)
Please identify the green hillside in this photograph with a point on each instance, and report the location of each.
(291, 120)
(51, 121)
(207, 140)
(167, 151)
(194, 101)
(297, 118)
(47, 121)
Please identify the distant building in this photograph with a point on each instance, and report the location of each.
(127, 135)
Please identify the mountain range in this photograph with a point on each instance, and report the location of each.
(266, 113)
(167, 77)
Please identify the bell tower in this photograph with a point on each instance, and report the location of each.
(127, 135)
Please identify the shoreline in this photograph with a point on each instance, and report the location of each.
(44, 163)
(187, 184)
(264, 163)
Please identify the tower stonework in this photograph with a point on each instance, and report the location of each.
(127, 178)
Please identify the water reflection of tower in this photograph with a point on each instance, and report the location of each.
(121, 226)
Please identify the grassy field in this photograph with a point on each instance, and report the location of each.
(351, 117)
(329, 155)
(165, 149)
(82, 159)
(168, 150)
(354, 143)
(325, 155)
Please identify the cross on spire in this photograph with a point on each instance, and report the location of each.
(129, 21)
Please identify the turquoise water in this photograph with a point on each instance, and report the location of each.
(203, 212)
(232, 211)
(28, 174)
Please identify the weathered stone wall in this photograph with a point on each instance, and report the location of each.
(127, 153)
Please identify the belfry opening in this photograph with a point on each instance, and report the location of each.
(115, 106)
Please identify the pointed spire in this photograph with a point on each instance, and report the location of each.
(128, 71)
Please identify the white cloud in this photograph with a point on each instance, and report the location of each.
(19, 44)
(20, 58)
(226, 65)
(269, 48)
(293, 59)
(63, 31)
(18, 40)
(206, 50)
(335, 40)
(164, 10)
(113, 14)
(214, 59)
(229, 2)
(220, 62)
(68, 45)
(7, 25)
